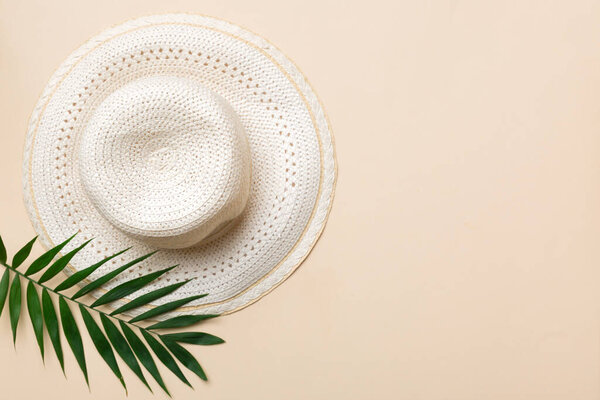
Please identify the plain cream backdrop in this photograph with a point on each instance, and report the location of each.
(461, 258)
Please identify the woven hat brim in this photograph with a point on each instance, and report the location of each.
(52, 227)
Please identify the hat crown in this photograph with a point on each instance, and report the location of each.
(166, 160)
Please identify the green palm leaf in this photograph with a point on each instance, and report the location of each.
(61, 263)
(143, 354)
(129, 287)
(14, 305)
(122, 348)
(199, 338)
(2, 252)
(84, 273)
(51, 322)
(35, 314)
(4, 289)
(107, 277)
(181, 321)
(163, 308)
(186, 358)
(124, 341)
(165, 357)
(42, 261)
(101, 344)
(23, 253)
(73, 336)
(148, 297)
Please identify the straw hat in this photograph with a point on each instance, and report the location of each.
(190, 135)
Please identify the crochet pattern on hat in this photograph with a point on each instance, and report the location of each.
(253, 183)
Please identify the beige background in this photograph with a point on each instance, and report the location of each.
(461, 258)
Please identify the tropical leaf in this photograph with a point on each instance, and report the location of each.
(101, 343)
(107, 277)
(124, 341)
(2, 252)
(186, 358)
(200, 338)
(4, 288)
(122, 348)
(181, 321)
(148, 297)
(51, 322)
(73, 336)
(164, 356)
(143, 354)
(35, 314)
(163, 308)
(23, 253)
(42, 261)
(14, 305)
(84, 273)
(61, 263)
(129, 287)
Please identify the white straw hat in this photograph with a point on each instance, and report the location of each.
(186, 134)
